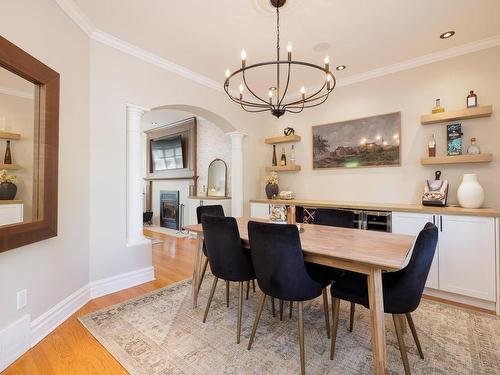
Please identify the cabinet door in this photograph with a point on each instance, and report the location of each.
(11, 213)
(467, 256)
(412, 224)
(259, 210)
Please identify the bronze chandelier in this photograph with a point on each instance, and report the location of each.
(276, 102)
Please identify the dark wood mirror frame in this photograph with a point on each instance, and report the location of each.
(26, 66)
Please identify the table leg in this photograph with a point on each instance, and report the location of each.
(197, 271)
(376, 299)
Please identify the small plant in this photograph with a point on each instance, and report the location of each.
(5, 178)
(272, 178)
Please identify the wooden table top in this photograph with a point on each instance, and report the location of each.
(324, 244)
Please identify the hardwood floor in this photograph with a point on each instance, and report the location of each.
(71, 349)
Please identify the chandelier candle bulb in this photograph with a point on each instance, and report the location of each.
(243, 58)
(289, 48)
(327, 63)
(303, 92)
(228, 73)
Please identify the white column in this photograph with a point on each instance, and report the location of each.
(135, 185)
(237, 173)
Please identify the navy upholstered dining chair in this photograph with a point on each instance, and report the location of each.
(402, 290)
(228, 259)
(282, 273)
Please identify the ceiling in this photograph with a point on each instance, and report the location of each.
(207, 36)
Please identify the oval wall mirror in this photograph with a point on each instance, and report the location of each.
(217, 176)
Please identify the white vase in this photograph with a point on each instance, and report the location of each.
(470, 194)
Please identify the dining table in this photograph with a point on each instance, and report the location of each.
(367, 252)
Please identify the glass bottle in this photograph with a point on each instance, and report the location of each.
(471, 99)
(473, 149)
(8, 156)
(432, 146)
(292, 155)
(283, 158)
(275, 159)
(438, 108)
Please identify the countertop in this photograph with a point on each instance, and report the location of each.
(16, 201)
(206, 197)
(417, 208)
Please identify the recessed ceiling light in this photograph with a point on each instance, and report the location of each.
(341, 67)
(447, 34)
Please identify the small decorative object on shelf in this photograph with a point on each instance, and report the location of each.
(283, 158)
(8, 155)
(278, 214)
(473, 149)
(437, 108)
(435, 191)
(275, 159)
(471, 99)
(432, 146)
(272, 188)
(292, 155)
(8, 188)
(470, 194)
(287, 195)
(289, 131)
(454, 138)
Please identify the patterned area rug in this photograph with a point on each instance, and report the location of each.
(159, 333)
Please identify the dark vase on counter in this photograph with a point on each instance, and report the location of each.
(8, 191)
(272, 190)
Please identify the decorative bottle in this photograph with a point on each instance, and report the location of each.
(292, 155)
(432, 146)
(275, 159)
(438, 108)
(471, 99)
(473, 149)
(283, 158)
(8, 156)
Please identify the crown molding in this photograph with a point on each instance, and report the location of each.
(18, 93)
(76, 14)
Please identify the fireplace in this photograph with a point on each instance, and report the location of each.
(169, 209)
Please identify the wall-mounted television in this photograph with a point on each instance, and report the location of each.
(166, 153)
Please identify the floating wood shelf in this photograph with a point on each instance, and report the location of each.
(7, 135)
(286, 168)
(283, 139)
(9, 166)
(458, 159)
(462, 114)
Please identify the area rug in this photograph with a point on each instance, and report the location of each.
(159, 333)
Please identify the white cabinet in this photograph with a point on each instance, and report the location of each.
(465, 262)
(467, 256)
(11, 213)
(412, 224)
(259, 211)
(195, 202)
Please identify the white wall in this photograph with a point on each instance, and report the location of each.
(53, 269)
(412, 92)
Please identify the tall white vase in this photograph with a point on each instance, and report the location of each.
(470, 194)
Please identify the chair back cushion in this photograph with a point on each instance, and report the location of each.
(215, 210)
(279, 263)
(403, 289)
(334, 218)
(226, 255)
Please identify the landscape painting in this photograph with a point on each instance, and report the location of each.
(367, 142)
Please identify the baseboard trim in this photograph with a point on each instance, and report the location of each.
(47, 322)
(15, 340)
(119, 282)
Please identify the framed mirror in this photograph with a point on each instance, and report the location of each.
(217, 177)
(29, 132)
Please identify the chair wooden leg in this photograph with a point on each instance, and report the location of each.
(227, 293)
(401, 343)
(327, 313)
(281, 309)
(291, 309)
(335, 325)
(253, 285)
(351, 320)
(240, 303)
(248, 288)
(203, 270)
(212, 291)
(414, 333)
(272, 307)
(301, 338)
(260, 306)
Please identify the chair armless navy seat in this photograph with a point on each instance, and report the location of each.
(281, 271)
(228, 259)
(402, 290)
